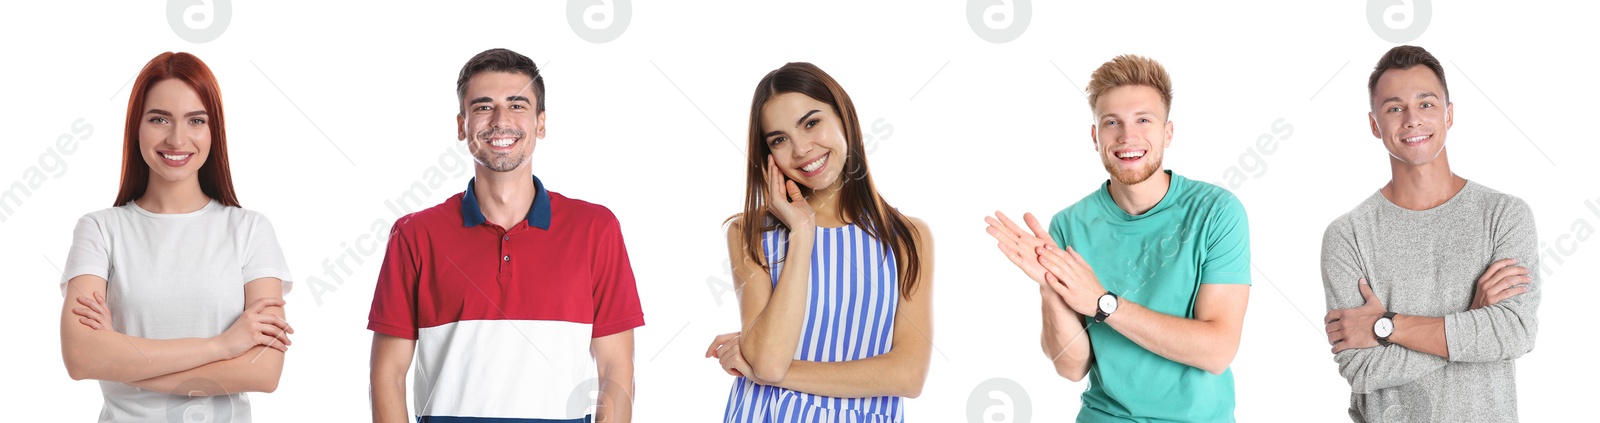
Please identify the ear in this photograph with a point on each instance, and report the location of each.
(1168, 142)
(461, 128)
(1373, 122)
(1094, 137)
(1449, 115)
(538, 127)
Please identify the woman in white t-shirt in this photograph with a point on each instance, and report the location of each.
(173, 298)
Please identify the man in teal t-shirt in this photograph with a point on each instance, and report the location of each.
(1144, 282)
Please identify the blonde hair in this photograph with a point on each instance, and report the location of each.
(1130, 69)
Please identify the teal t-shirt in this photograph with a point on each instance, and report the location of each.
(1196, 234)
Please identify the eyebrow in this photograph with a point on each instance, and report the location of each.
(167, 113)
(1138, 113)
(1421, 95)
(797, 122)
(487, 99)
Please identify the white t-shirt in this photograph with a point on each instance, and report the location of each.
(174, 276)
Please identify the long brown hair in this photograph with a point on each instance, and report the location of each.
(215, 179)
(859, 197)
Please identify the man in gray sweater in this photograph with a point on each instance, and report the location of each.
(1432, 282)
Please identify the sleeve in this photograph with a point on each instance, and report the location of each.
(1367, 369)
(90, 253)
(263, 258)
(1227, 244)
(616, 296)
(394, 299)
(1505, 330)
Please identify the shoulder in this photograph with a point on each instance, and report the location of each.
(582, 212)
(439, 215)
(921, 233)
(1217, 198)
(1079, 210)
(1500, 204)
(1344, 226)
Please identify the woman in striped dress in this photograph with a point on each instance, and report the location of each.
(835, 286)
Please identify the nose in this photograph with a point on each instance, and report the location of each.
(802, 146)
(1412, 119)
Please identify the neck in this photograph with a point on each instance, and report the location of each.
(828, 206)
(504, 197)
(1423, 187)
(1141, 197)
(172, 197)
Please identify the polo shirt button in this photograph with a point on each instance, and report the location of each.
(506, 258)
(507, 238)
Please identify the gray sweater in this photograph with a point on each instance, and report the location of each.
(1427, 263)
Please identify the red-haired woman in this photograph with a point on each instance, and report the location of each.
(173, 297)
(835, 286)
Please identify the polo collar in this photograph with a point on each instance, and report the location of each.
(538, 215)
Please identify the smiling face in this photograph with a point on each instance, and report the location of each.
(1410, 114)
(1131, 132)
(174, 132)
(500, 124)
(806, 139)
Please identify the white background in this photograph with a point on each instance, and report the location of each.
(334, 109)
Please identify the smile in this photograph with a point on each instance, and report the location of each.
(815, 164)
(1130, 154)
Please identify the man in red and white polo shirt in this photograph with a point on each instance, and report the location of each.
(517, 302)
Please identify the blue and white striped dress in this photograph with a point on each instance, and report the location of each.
(851, 302)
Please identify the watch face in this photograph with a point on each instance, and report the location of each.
(1108, 303)
(1383, 328)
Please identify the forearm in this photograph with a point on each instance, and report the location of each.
(895, 373)
(769, 341)
(1421, 334)
(114, 357)
(258, 370)
(1063, 337)
(1503, 331)
(1202, 344)
(615, 403)
(1371, 369)
(389, 397)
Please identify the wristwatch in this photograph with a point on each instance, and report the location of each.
(1108, 305)
(1383, 328)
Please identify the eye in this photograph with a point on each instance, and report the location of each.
(481, 108)
(812, 123)
(1427, 105)
(197, 121)
(1394, 109)
(518, 106)
(1111, 122)
(1144, 120)
(775, 141)
(157, 120)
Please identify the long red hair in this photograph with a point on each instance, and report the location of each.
(215, 179)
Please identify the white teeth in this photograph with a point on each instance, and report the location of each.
(176, 157)
(815, 165)
(1130, 154)
(1416, 138)
(501, 142)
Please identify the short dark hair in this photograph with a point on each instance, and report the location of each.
(500, 60)
(1402, 58)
